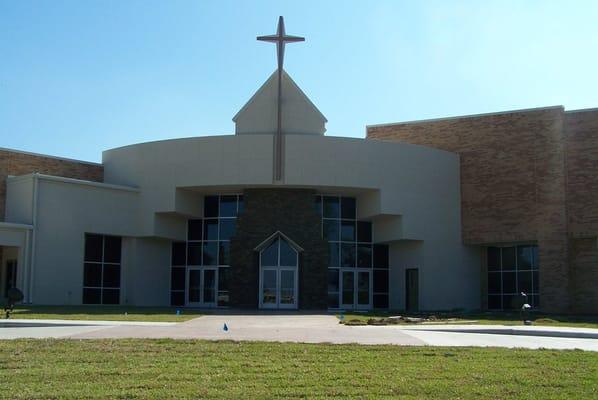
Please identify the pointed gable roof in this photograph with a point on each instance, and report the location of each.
(277, 235)
(299, 114)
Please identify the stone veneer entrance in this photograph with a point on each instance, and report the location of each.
(268, 211)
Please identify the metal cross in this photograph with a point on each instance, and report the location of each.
(280, 38)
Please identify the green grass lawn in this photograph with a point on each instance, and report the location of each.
(172, 369)
(488, 318)
(104, 313)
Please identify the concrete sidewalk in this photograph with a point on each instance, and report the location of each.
(311, 328)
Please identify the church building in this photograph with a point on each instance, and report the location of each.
(460, 213)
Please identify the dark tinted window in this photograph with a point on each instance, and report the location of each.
(380, 256)
(210, 229)
(348, 208)
(509, 284)
(195, 229)
(223, 278)
(348, 255)
(210, 253)
(525, 257)
(508, 258)
(536, 282)
(331, 207)
(348, 231)
(524, 282)
(178, 253)
(224, 253)
(288, 256)
(92, 296)
(112, 247)
(494, 285)
(364, 255)
(494, 302)
(334, 255)
(227, 228)
(228, 206)
(331, 229)
(333, 285)
(93, 247)
(332, 300)
(380, 281)
(270, 255)
(380, 301)
(177, 298)
(318, 205)
(194, 254)
(210, 207)
(110, 296)
(177, 279)
(493, 259)
(241, 205)
(111, 276)
(364, 231)
(510, 302)
(92, 275)
(104, 271)
(535, 257)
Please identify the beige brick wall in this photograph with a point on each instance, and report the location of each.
(582, 207)
(512, 183)
(584, 275)
(582, 172)
(20, 163)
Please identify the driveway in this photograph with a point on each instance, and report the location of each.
(319, 328)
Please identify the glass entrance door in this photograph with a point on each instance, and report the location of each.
(278, 288)
(278, 274)
(269, 297)
(201, 287)
(348, 291)
(356, 289)
(287, 288)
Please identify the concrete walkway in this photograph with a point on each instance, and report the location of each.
(309, 329)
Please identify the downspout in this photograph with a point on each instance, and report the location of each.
(33, 235)
(24, 279)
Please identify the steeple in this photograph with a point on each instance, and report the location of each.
(279, 107)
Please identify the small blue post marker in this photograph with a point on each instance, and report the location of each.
(341, 317)
(178, 312)
(225, 327)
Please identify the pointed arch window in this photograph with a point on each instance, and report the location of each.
(279, 260)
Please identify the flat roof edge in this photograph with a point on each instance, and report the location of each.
(14, 225)
(29, 153)
(420, 121)
(74, 181)
(580, 110)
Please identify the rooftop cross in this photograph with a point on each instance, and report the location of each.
(280, 38)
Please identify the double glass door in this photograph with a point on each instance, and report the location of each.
(356, 289)
(278, 288)
(201, 287)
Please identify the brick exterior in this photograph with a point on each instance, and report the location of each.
(292, 213)
(515, 168)
(19, 163)
(582, 207)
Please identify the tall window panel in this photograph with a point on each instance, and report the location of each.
(512, 270)
(351, 247)
(207, 245)
(381, 281)
(178, 273)
(102, 269)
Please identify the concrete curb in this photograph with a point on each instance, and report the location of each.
(70, 322)
(575, 333)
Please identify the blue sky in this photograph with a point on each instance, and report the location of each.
(79, 77)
